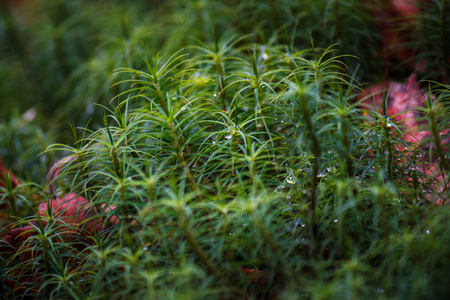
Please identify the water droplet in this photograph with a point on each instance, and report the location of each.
(30, 116)
(290, 180)
(215, 95)
(279, 189)
(389, 124)
(428, 232)
(335, 220)
(228, 137)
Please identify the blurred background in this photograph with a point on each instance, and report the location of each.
(58, 57)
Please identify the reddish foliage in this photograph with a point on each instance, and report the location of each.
(403, 99)
(4, 173)
(73, 212)
(406, 8)
(395, 19)
(74, 217)
(255, 276)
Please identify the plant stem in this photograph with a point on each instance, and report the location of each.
(346, 142)
(183, 164)
(382, 205)
(317, 152)
(203, 256)
(220, 73)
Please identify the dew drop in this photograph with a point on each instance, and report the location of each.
(290, 180)
(279, 189)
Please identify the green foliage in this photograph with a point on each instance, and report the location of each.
(241, 167)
